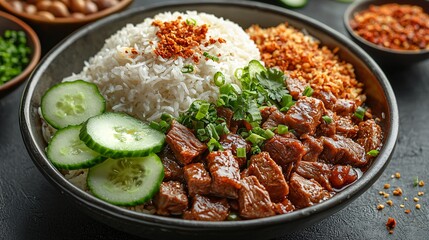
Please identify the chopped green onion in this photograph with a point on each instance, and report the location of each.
(287, 101)
(255, 139)
(202, 112)
(219, 79)
(238, 73)
(308, 91)
(282, 129)
(327, 119)
(241, 152)
(166, 117)
(188, 68)
(416, 181)
(191, 21)
(233, 216)
(268, 134)
(360, 113)
(213, 145)
(255, 150)
(373, 153)
(207, 55)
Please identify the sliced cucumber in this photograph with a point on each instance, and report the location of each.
(71, 103)
(67, 151)
(126, 181)
(294, 3)
(118, 135)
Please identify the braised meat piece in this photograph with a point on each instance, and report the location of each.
(370, 135)
(266, 112)
(295, 87)
(184, 144)
(283, 207)
(313, 148)
(254, 201)
(207, 209)
(171, 199)
(304, 116)
(284, 150)
(342, 150)
(233, 142)
(345, 127)
(344, 107)
(197, 179)
(270, 175)
(172, 170)
(225, 174)
(317, 171)
(327, 98)
(274, 119)
(342, 176)
(327, 128)
(305, 192)
(226, 114)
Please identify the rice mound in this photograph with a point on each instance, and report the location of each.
(146, 85)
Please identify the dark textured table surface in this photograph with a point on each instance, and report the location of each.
(30, 208)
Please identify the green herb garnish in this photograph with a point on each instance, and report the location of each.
(416, 181)
(308, 91)
(373, 153)
(207, 55)
(327, 119)
(360, 113)
(187, 68)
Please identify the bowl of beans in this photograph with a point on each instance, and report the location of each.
(19, 52)
(392, 32)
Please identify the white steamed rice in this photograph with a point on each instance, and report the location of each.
(148, 85)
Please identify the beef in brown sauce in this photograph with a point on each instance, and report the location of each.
(304, 116)
(313, 148)
(317, 171)
(274, 119)
(232, 142)
(369, 135)
(197, 179)
(283, 207)
(345, 127)
(207, 209)
(225, 173)
(344, 107)
(284, 150)
(254, 200)
(327, 98)
(305, 192)
(295, 87)
(342, 176)
(171, 199)
(172, 170)
(342, 150)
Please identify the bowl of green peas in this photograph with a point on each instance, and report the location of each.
(20, 52)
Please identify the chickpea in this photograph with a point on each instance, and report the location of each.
(30, 9)
(77, 6)
(103, 4)
(58, 9)
(43, 5)
(17, 6)
(46, 15)
(90, 7)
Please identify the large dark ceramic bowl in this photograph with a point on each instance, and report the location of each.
(69, 57)
(384, 55)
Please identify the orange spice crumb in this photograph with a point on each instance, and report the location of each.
(407, 211)
(386, 186)
(421, 183)
(397, 191)
(390, 224)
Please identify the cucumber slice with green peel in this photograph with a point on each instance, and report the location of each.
(71, 103)
(294, 3)
(118, 135)
(126, 181)
(67, 151)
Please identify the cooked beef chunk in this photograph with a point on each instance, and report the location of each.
(290, 168)
(345, 127)
(342, 150)
(208, 209)
(283, 207)
(171, 199)
(369, 135)
(342, 176)
(327, 98)
(254, 201)
(270, 175)
(284, 150)
(276, 118)
(266, 112)
(225, 174)
(317, 171)
(172, 170)
(197, 179)
(184, 144)
(344, 107)
(233, 142)
(327, 129)
(226, 114)
(295, 87)
(304, 193)
(313, 148)
(304, 116)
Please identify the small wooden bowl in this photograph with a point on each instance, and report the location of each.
(9, 22)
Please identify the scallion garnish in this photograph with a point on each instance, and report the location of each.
(416, 181)
(213, 145)
(286, 102)
(207, 55)
(204, 109)
(191, 21)
(373, 153)
(188, 68)
(327, 119)
(255, 139)
(282, 129)
(238, 73)
(360, 113)
(219, 79)
(241, 152)
(268, 134)
(308, 91)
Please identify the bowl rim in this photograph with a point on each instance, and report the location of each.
(67, 20)
(52, 174)
(349, 14)
(35, 55)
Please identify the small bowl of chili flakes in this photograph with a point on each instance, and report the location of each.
(392, 32)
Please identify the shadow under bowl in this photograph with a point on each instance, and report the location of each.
(57, 65)
(385, 56)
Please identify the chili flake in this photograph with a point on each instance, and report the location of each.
(390, 224)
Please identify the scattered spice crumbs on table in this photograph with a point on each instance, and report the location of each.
(390, 224)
